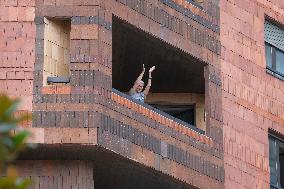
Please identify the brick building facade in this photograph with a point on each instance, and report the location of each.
(72, 62)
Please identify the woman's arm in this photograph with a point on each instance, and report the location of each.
(139, 78)
(147, 88)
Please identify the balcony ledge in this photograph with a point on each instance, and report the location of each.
(161, 117)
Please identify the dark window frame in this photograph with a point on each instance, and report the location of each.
(279, 143)
(191, 106)
(272, 70)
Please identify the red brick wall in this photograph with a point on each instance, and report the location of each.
(17, 43)
(253, 101)
(57, 174)
(87, 104)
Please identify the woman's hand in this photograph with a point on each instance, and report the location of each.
(152, 69)
(147, 88)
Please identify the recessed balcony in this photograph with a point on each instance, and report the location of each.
(177, 95)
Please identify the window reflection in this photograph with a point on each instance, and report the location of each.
(280, 61)
(268, 53)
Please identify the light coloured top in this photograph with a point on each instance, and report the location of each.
(138, 96)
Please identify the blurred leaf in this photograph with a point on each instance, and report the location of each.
(12, 172)
(14, 183)
(8, 142)
(12, 108)
(5, 103)
(23, 183)
(31, 145)
(7, 108)
(20, 138)
(4, 127)
(11, 143)
(25, 117)
(7, 183)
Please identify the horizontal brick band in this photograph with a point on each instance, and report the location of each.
(163, 119)
(91, 20)
(53, 89)
(131, 134)
(191, 15)
(177, 25)
(56, 105)
(196, 4)
(155, 145)
(196, 163)
(202, 38)
(73, 119)
(90, 78)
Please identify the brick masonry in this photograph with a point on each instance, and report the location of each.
(147, 141)
(242, 100)
(87, 100)
(58, 174)
(253, 100)
(17, 52)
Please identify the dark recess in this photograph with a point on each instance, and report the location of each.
(111, 171)
(176, 71)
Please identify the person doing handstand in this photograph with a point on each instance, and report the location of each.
(136, 91)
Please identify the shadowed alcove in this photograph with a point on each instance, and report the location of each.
(178, 75)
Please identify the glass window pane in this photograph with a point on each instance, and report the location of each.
(185, 113)
(273, 161)
(280, 61)
(268, 52)
(281, 164)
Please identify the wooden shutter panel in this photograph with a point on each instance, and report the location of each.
(274, 35)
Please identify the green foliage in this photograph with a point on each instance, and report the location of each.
(14, 183)
(12, 142)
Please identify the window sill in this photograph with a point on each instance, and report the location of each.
(275, 187)
(275, 73)
(56, 80)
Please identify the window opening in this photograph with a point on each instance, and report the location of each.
(56, 51)
(276, 162)
(274, 49)
(185, 113)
